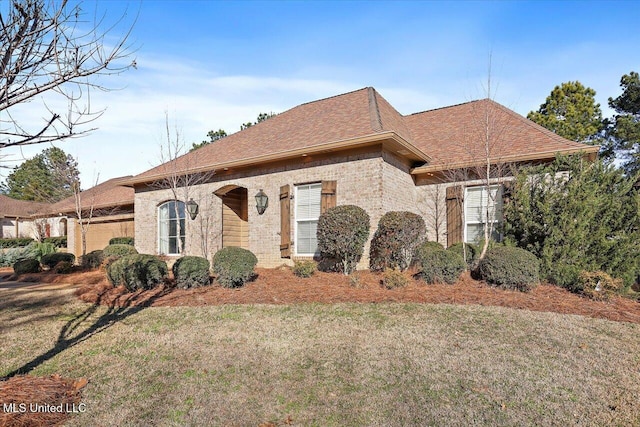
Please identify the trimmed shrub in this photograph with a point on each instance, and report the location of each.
(11, 256)
(29, 265)
(509, 268)
(93, 259)
(439, 266)
(16, 242)
(118, 250)
(472, 252)
(305, 268)
(423, 248)
(395, 241)
(121, 241)
(63, 267)
(597, 285)
(58, 242)
(342, 232)
(50, 260)
(191, 272)
(138, 271)
(234, 266)
(394, 278)
(38, 250)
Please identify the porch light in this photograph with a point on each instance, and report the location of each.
(262, 201)
(192, 208)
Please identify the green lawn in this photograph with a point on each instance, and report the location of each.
(328, 365)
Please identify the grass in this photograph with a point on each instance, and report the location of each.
(331, 365)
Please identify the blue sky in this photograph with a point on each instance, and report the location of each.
(213, 65)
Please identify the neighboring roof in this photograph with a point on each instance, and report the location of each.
(109, 194)
(437, 138)
(13, 208)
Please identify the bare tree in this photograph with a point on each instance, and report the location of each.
(50, 48)
(175, 168)
(485, 144)
(84, 213)
(433, 207)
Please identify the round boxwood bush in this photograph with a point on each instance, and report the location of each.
(191, 272)
(509, 268)
(63, 267)
(472, 252)
(93, 259)
(342, 232)
(118, 250)
(137, 271)
(234, 266)
(395, 241)
(51, 260)
(304, 268)
(29, 265)
(122, 241)
(439, 266)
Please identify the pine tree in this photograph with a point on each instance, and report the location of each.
(571, 112)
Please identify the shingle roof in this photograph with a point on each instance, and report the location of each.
(441, 136)
(19, 208)
(108, 194)
(456, 134)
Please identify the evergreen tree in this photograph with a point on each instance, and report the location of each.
(576, 216)
(47, 177)
(624, 130)
(571, 112)
(213, 137)
(220, 133)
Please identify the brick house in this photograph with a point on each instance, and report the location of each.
(109, 204)
(353, 148)
(108, 207)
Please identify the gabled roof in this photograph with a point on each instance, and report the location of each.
(12, 208)
(109, 194)
(439, 138)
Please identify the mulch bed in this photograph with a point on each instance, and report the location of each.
(281, 286)
(39, 401)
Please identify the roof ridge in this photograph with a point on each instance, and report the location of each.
(374, 111)
(330, 97)
(445, 107)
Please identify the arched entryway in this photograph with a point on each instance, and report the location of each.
(235, 216)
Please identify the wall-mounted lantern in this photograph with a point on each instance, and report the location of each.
(192, 208)
(262, 202)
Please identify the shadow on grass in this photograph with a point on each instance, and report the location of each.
(73, 332)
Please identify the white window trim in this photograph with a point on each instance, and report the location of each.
(158, 227)
(466, 198)
(296, 219)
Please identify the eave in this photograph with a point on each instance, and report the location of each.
(389, 140)
(590, 151)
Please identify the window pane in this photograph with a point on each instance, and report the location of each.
(168, 227)
(307, 242)
(475, 233)
(308, 201)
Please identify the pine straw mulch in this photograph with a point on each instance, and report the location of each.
(281, 286)
(25, 391)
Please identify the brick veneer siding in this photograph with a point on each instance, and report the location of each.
(377, 181)
(359, 182)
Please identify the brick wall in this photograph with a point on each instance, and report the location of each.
(359, 182)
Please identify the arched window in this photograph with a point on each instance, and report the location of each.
(171, 224)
